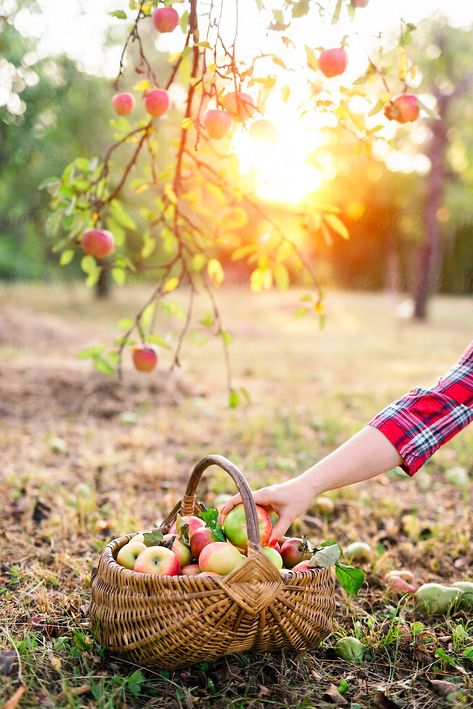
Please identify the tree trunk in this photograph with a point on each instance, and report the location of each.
(430, 251)
(103, 285)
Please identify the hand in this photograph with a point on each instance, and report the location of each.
(289, 500)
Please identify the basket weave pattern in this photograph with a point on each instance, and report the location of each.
(174, 621)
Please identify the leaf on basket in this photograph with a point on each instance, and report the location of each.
(350, 578)
(210, 518)
(326, 556)
(168, 542)
(183, 531)
(152, 539)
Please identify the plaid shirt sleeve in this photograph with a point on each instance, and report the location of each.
(420, 422)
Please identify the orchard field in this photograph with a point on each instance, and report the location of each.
(85, 460)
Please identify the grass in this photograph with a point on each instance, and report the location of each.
(123, 459)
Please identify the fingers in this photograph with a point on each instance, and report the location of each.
(280, 527)
(235, 500)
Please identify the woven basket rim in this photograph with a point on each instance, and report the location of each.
(111, 549)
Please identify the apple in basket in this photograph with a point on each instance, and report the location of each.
(190, 570)
(302, 566)
(158, 560)
(294, 550)
(193, 522)
(273, 555)
(235, 526)
(200, 538)
(220, 557)
(182, 551)
(129, 553)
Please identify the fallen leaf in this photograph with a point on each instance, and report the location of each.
(74, 692)
(443, 688)
(333, 695)
(381, 701)
(14, 701)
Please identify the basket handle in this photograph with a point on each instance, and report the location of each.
(188, 502)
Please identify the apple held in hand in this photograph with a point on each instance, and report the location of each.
(182, 552)
(98, 243)
(217, 123)
(145, 358)
(219, 557)
(157, 560)
(129, 553)
(123, 104)
(157, 102)
(333, 62)
(402, 109)
(239, 105)
(235, 526)
(200, 537)
(295, 550)
(165, 19)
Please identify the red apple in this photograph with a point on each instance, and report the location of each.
(98, 242)
(359, 3)
(145, 358)
(302, 566)
(294, 550)
(200, 538)
(219, 557)
(235, 526)
(217, 123)
(333, 62)
(182, 552)
(157, 560)
(193, 522)
(129, 553)
(402, 109)
(165, 19)
(208, 573)
(123, 103)
(190, 570)
(239, 105)
(157, 102)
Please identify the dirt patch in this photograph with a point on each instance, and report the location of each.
(24, 330)
(50, 391)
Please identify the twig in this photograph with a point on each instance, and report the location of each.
(20, 669)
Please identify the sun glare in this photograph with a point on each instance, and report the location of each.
(272, 155)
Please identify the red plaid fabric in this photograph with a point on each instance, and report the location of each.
(420, 422)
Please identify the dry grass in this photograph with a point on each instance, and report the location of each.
(128, 452)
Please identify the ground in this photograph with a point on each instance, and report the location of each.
(122, 459)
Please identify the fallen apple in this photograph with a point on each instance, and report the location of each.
(436, 599)
(358, 551)
(466, 599)
(350, 649)
(401, 581)
(157, 560)
(129, 553)
(325, 505)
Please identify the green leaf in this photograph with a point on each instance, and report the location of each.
(66, 257)
(88, 264)
(121, 216)
(349, 578)
(125, 323)
(336, 14)
(93, 278)
(440, 652)
(119, 276)
(134, 682)
(157, 340)
(88, 352)
(233, 399)
(119, 14)
(104, 366)
(311, 58)
(301, 8)
(152, 539)
(210, 517)
(468, 653)
(281, 276)
(327, 556)
(301, 312)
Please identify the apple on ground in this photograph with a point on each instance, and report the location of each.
(165, 19)
(99, 243)
(191, 520)
(123, 103)
(182, 552)
(235, 526)
(190, 570)
(129, 553)
(157, 560)
(219, 557)
(239, 105)
(145, 358)
(402, 109)
(200, 538)
(157, 102)
(333, 62)
(217, 123)
(294, 550)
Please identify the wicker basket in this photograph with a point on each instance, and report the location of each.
(175, 621)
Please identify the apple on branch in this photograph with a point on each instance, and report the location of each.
(333, 62)
(145, 358)
(98, 243)
(239, 105)
(217, 123)
(165, 19)
(157, 102)
(402, 109)
(123, 104)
